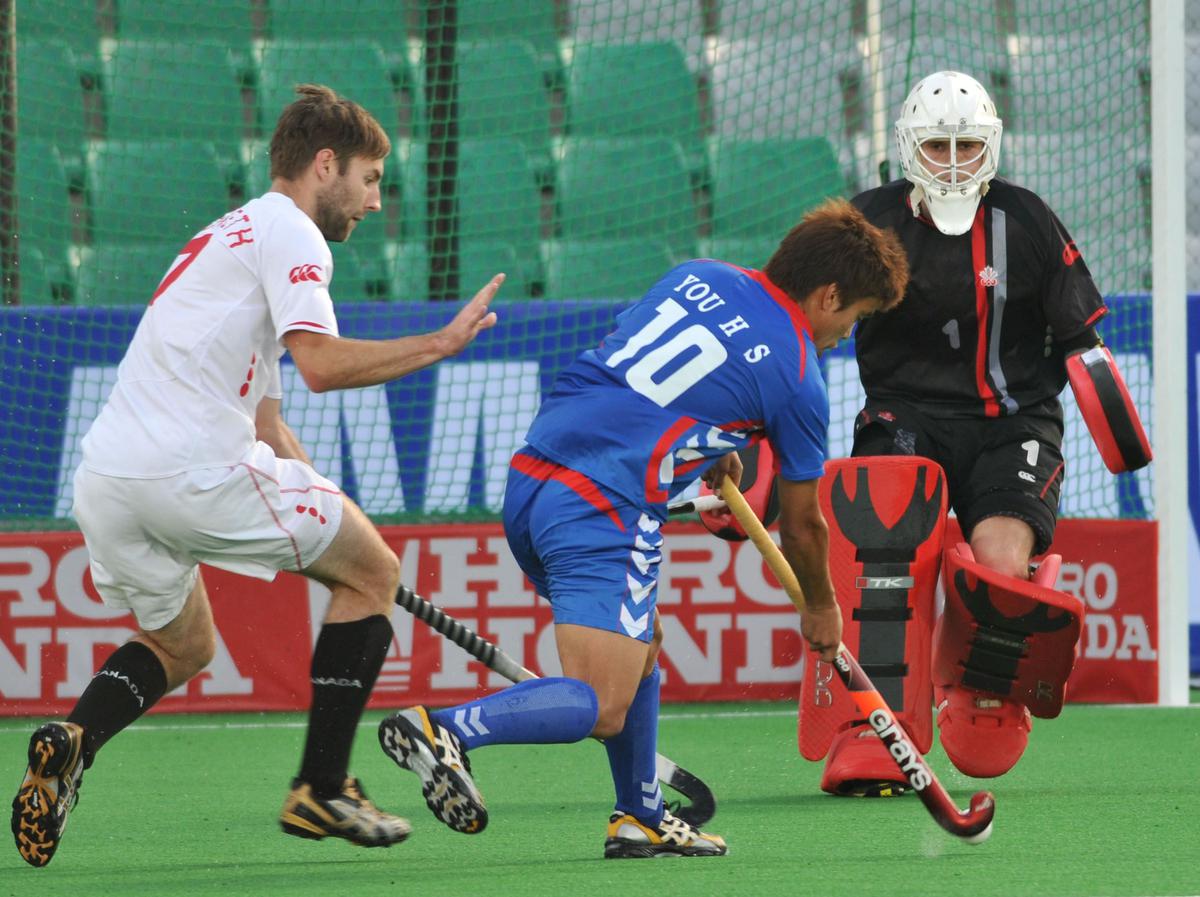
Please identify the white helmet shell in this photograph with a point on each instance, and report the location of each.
(948, 106)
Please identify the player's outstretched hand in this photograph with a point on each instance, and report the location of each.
(822, 629)
(471, 319)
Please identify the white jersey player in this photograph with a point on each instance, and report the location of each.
(190, 461)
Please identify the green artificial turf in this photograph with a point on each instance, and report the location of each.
(1103, 803)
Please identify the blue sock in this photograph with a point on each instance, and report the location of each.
(631, 756)
(537, 711)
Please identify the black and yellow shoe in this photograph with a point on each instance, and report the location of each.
(348, 815)
(435, 754)
(630, 838)
(49, 791)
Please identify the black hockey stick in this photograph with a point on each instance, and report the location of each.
(702, 805)
(974, 824)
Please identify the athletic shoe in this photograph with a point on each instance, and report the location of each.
(348, 815)
(435, 754)
(630, 838)
(49, 792)
(859, 765)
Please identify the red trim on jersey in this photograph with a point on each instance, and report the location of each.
(665, 444)
(541, 469)
(306, 324)
(1096, 316)
(991, 408)
(741, 425)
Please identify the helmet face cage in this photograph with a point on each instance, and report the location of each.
(953, 107)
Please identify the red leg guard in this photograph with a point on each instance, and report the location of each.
(886, 518)
(1003, 649)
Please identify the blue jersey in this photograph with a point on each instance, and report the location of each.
(710, 359)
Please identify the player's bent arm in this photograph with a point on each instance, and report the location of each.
(271, 428)
(804, 538)
(329, 362)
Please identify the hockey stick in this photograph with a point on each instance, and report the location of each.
(974, 824)
(702, 805)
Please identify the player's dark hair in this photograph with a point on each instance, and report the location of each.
(835, 243)
(320, 119)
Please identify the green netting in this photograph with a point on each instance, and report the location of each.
(583, 146)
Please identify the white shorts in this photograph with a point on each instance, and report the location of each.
(147, 536)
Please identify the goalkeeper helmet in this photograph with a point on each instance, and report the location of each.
(948, 107)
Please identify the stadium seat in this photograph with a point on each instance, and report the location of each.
(785, 87)
(409, 158)
(761, 188)
(125, 273)
(145, 82)
(1084, 180)
(154, 20)
(604, 269)
(326, 20)
(499, 201)
(360, 272)
(408, 268)
(51, 103)
(74, 23)
(741, 19)
(357, 69)
(531, 20)
(165, 189)
(1036, 17)
(41, 282)
(501, 94)
(45, 217)
(1080, 82)
(611, 188)
(1119, 260)
(631, 21)
(634, 90)
(481, 260)
(982, 55)
(745, 252)
(951, 19)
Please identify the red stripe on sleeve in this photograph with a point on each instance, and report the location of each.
(991, 407)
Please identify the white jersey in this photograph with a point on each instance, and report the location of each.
(207, 349)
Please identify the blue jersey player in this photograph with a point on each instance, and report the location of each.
(713, 357)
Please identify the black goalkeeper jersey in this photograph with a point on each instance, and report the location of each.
(978, 332)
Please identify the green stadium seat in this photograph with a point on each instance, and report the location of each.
(168, 189)
(46, 219)
(42, 283)
(155, 20)
(531, 20)
(761, 188)
(175, 90)
(74, 23)
(604, 269)
(51, 103)
(634, 90)
(739, 19)
(408, 268)
(481, 260)
(357, 69)
(123, 273)
(501, 94)
(326, 20)
(498, 199)
(360, 272)
(745, 252)
(626, 188)
(410, 159)
(633, 21)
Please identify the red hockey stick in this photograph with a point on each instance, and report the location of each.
(974, 824)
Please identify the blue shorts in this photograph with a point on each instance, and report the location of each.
(593, 556)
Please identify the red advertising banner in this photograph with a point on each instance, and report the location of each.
(730, 632)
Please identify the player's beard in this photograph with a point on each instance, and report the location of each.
(332, 219)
